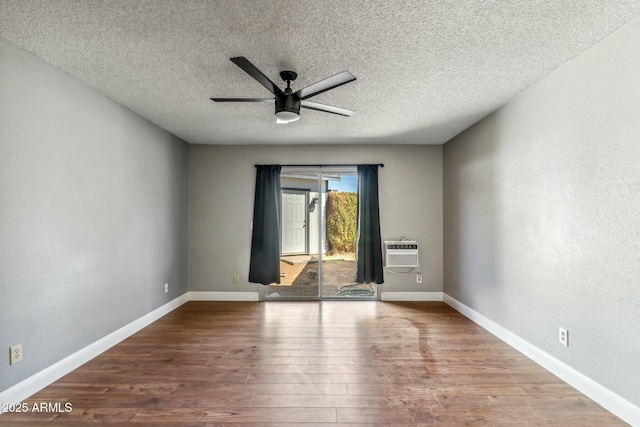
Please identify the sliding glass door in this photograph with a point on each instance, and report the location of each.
(319, 224)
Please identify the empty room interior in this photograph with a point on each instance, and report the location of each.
(280, 213)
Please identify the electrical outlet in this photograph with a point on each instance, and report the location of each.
(419, 278)
(563, 336)
(166, 288)
(236, 278)
(15, 354)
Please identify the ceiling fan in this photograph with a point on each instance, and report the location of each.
(287, 102)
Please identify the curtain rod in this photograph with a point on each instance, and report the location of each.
(330, 165)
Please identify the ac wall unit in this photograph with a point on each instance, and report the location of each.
(401, 253)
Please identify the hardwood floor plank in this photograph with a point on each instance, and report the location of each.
(284, 360)
(345, 401)
(61, 388)
(338, 363)
(262, 389)
(77, 415)
(390, 389)
(342, 369)
(384, 416)
(380, 378)
(146, 376)
(237, 415)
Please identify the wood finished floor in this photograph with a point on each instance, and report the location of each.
(347, 363)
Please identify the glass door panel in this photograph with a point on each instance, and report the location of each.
(299, 261)
(341, 222)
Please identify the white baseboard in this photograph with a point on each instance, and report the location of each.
(410, 296)
(223, 296)
(40, 380)
(614, 403)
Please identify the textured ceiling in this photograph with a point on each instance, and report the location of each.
(426, 70)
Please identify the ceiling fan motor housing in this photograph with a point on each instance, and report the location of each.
(289, 103)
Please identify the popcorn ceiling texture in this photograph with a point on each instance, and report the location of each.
(426, 70)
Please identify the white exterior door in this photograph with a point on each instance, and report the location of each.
(294, 222)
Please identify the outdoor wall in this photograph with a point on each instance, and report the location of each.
(542, 225)
(222, 183)
(93, 214)
(312, 186)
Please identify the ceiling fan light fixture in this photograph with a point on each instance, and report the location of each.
(287, 116)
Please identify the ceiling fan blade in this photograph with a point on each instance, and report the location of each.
(327, 108)
(325, 85)
(242, 99)
(251, 69)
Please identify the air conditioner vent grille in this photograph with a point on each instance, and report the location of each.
(401, 253)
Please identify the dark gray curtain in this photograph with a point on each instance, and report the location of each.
(265, 242)
(369, 244)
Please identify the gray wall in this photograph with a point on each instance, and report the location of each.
(93, 214)
(542, 223)
(222, 182)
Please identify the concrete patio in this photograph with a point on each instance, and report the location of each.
(300, 276)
